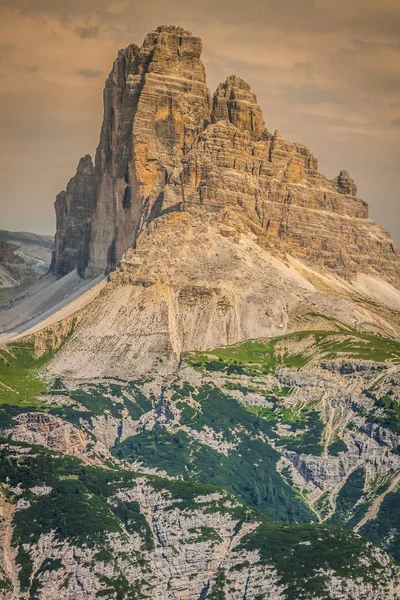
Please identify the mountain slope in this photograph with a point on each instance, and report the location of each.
(15, 275)
(302, 427)
(218, 415)
(35, 249)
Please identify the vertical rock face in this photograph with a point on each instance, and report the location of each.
(155, 105)
(74, 209)
(165, 146)
(234, 102)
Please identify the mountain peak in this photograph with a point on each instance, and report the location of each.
(163, 148)
(85, 164)
(234, 102)
(174, 29)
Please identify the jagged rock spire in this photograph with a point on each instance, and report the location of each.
(74, 209)
(346, 184)
(165, 146)
(155, 105)
(233, 101)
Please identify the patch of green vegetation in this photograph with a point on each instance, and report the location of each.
(249, 471)
(323, 505)
(21, 383)
(384, 530)
(71, 511)
(309, 442)
(282, 391)
(204, 534)
(261, 412)
(98, 398)
(134, 521)
(360, 346)
(217, 590)
(9, 411)
(50, 564)
(76, 508)
(255, 357)
(347, 498)
(185, 493)
(302, 553)
(5, 582)
(187, 411)
(386, 412)
(225, 415)
(336, 447)
(182, 390)
(120, 589)
(25, 564)
(252, 357)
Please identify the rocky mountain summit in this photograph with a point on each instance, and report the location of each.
(167, 146)
(213, 229)
(201, 400)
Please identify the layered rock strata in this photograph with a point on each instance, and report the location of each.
(166, 146)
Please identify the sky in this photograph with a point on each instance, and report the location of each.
(326, 74)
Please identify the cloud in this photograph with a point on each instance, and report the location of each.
(87, 33)
(310, 94)
(89, 73)
(5, 50)
(29, 68)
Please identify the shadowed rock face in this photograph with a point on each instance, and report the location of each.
(166, 146)
(74, 209)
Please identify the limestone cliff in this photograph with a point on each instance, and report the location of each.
(166, 146)
(74, 209)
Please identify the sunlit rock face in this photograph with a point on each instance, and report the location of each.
(166, 145)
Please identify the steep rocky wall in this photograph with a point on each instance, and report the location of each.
(166, 146)
(73, 213)
(155, 104)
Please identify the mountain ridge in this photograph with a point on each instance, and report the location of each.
(165, 145)
(201, 398)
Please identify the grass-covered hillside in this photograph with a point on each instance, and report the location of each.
(292, 441)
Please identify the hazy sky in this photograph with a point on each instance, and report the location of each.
(326, 74)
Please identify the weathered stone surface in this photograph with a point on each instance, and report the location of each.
(166, 146)
(346, 184)
(73, 213)
(155, 104)
(234, 102)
